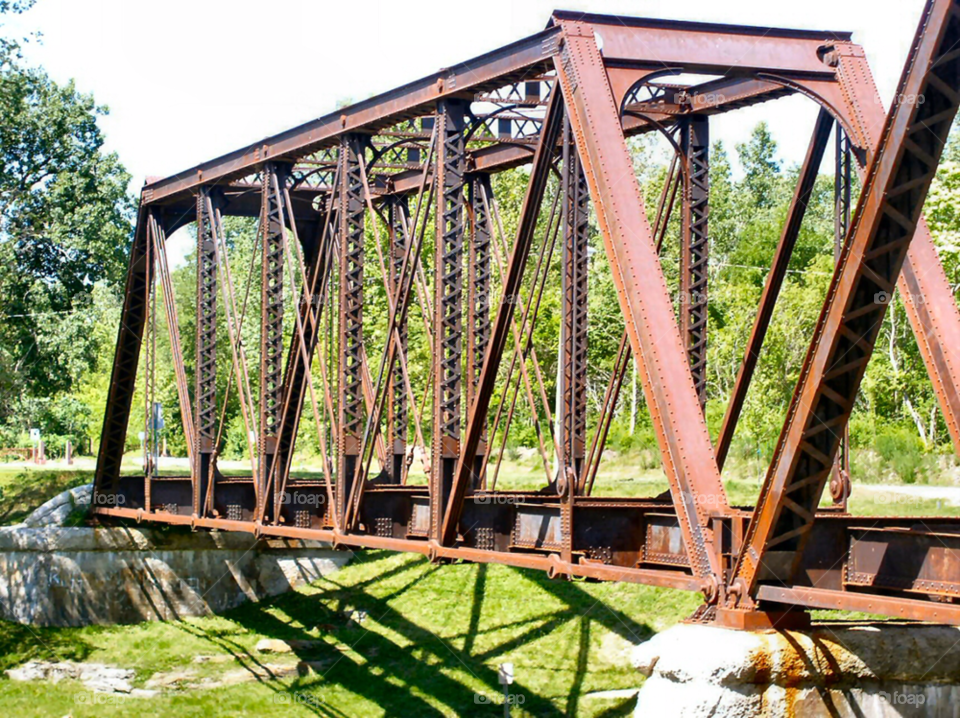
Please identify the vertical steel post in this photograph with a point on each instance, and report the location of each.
(694, 251)
(271, 320)
(502, 325)
(657, 344)
(205, 394)
(478, 291)
(350, 216)
(126, 358)
(448, 305)
(398, 415)
(842, 181)
(572, 408)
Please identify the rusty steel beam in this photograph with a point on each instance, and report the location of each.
(842, 209)
(572, 385)
(685, 446)
(477, 417)
(398, 414)
(272, 227)
(695, 247)
(730, 50)
(350, 215)
(923, 285)
(205, 373)
(480, 268)
(886, 218)
(126, 359)
(447, 305)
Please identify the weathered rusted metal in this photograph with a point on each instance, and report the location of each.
(426, 154)
(890, 207)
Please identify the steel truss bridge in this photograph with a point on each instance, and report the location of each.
(386, 209)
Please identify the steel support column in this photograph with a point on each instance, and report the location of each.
(512, 278)
(923, 285)
(351, 240)
(842, 188)
(694, 249)
(398, 416)
(271, 320)
(126, 358)
(448, 305)
(478, 291)
(205, 373)
(572, 409)
(654, 335)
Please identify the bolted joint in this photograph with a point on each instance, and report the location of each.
(710, 588)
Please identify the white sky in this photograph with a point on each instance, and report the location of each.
(187, 80)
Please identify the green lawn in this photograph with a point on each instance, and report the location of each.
(430, 645)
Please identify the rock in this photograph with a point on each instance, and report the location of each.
(171, 679)
(106, 679)
(82, 495)
(830, 670)
(56, 511)
(143, 693)
(95, 676)
(273, 645)
(30, 671)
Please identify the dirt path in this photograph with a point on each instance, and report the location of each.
(945, 493)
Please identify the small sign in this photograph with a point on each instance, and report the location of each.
(158, 422)
(142, 436)
(34, 435)
(505, 674)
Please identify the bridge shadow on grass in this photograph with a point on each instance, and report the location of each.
(20, 643)
(392, 634)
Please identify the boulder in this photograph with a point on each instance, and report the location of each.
(882, 670)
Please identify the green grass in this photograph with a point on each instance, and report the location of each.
(432, 640)
(24, 488)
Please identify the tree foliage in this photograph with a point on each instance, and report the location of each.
(65, 222)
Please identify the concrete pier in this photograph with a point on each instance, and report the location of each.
(58, 576)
